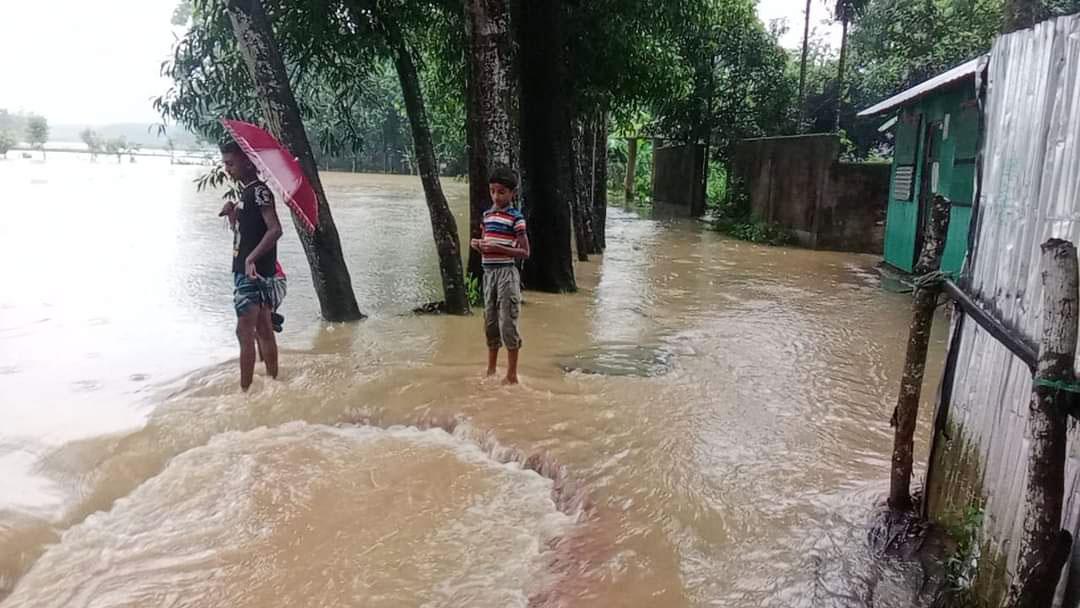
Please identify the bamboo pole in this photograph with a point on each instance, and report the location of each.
(922, 318)
(1044, 546)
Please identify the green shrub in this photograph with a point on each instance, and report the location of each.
(731, 215)
(474, 291)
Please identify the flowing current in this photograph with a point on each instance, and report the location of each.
(704, 423)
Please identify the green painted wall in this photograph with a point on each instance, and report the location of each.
(955, 147)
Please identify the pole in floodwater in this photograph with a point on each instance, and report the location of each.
(923, 304)
(1044, 546)
(631, 170)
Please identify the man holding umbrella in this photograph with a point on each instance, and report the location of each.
(254, 263)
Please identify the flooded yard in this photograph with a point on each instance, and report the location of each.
(720, 408)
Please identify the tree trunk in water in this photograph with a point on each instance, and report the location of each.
(922, 317)
(600, 164)
(329, 274)
(488, 91)
(841, 66)
(582, 195)
(443, 225)
(545, 146)
(1021, 14)
(631, 170)
(802, 70)
(1044, 546)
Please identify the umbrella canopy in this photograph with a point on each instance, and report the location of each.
(278, 167)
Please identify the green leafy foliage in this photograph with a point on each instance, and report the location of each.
(340, 71)
(733, 74)
(7, 142)
(960, 566)
(216, 178)
(732, 216)
(474, 291)
(37, 131)
(92, 140)
(617, 160)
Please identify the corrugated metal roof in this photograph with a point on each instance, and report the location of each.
(1030, 193)
(960, 72)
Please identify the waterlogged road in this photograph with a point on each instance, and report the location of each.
(728, 455)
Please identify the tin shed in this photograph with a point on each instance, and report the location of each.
(936, 145)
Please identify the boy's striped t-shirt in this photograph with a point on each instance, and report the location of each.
(502, 227)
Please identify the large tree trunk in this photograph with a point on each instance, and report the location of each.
(802, 70)
(583, 191)
(1022, 14)
(841, 66)
(488, 94)
(443, 225)
(329, 274)
(545, 147)
(600, 165)
(630, 185)
(1044, 546)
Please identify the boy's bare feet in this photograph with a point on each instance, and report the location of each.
(490, 372)
(510, 380)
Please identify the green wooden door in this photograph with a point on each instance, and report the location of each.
(964, 134)
(902, 219)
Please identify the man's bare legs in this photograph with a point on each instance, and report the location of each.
(511, 366)
(264, 334)
(493, 361)
(245, 333)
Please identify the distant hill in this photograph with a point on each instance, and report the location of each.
(143, 134)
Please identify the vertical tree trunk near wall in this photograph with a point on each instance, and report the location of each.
(330, 276)
(488, 95)
(923, 305)
(582, 198)
(443, 226)
(841, 66)
(545, 145)
(802, 69)
(600, 176)
(1044, 546)
(631, 170)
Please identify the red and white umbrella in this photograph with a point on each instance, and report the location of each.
(279, 168)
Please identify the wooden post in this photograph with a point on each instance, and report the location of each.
(631, 169)
(1044, 547)
(922, 318)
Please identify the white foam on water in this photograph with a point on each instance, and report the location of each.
(311, 515)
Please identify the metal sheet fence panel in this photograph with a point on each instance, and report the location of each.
(1030, 193)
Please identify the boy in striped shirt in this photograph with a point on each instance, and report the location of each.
(504, 241)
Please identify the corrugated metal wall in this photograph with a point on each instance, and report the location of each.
(1030, 193)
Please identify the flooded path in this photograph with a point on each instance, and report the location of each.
(729, 449)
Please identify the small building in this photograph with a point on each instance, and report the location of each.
(937, 135)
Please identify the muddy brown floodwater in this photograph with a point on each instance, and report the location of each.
(719, 441)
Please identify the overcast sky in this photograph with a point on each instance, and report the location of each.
(96, 61)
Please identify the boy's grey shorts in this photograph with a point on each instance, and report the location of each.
(502, 306)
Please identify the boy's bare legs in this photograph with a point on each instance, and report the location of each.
(511, 366)
(493, 361)
(264, 333)
(245, 333)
